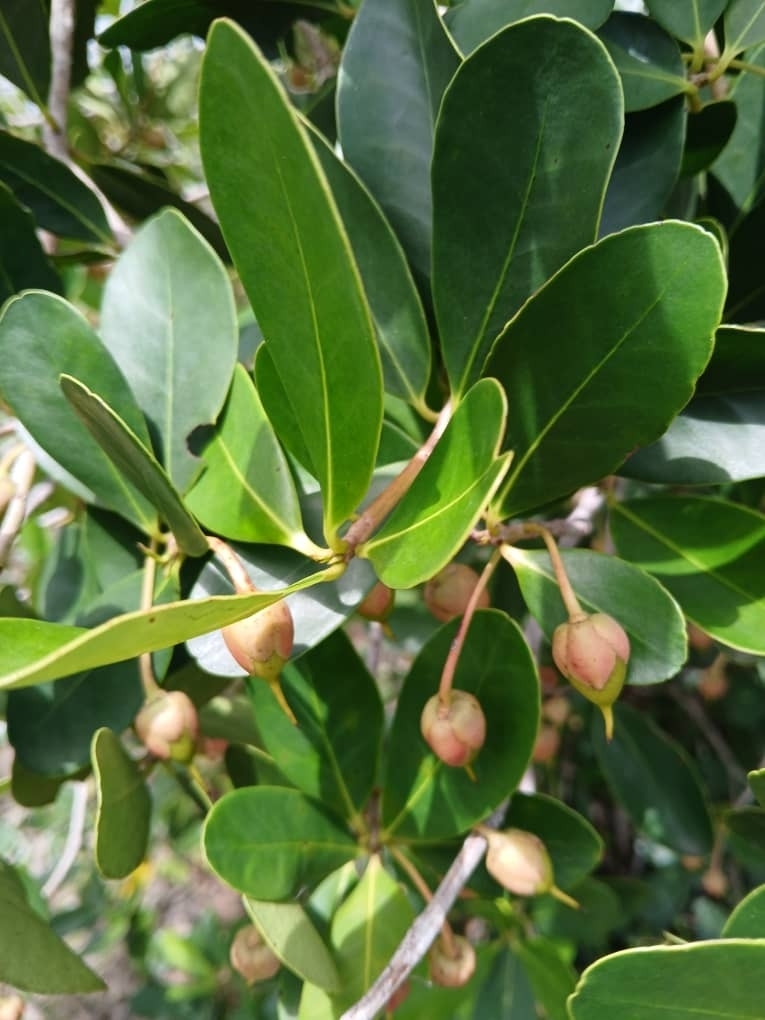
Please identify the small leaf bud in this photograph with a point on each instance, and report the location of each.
(451, 971)
(251, 957)
(168, 725)
(455, 729)
(448, 593)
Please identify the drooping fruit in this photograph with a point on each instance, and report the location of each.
(519, 861)
(592, 652)
(451, 970)
(168, 725)
(251, 957)
(454, 729)
(262, 645)
(378, 604)
(448, 593)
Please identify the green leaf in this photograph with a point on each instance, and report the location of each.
(511, 233)
(124, 807)
(472, 22)
(25, 55)
(738, 362)
(32, 957)
(32, 651)
(576, 412)
(744, 25)
(757, 783)
(424, 532)
(288, 930)
(574, 846)
(386, 120)
(136, 463)
(748, 918)
(399, 319)
(246, 491)
(746, 296)
(742, 162)
(168, 319)
(269, 841)
(552, 978)
(689, 20)
(709, 132)
(296, 265)
(604, 584)
(702, 981)
(23, 263)
(648, 60)
(423, 799)
(59, 201)
(506, 992)
(652, 778)
(748, 824)
(647, 166)
(332, 754)
(600, 914)
(42, 336)
(708, 554)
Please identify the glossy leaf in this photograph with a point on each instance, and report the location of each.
(386, 119)
(648, 60)
(423, 533)
(399, 319)
(332, 753)
(574, 846)
(709, 132)
(748, 918)
(42, 336)
(592, 926)
(742, 161)
(59, 201)
(746, 301)
(738, 362)
(246, 491)
(708, 554)
(168, 319)
(32, 957)
(287, 929)
(647, 166)
(744, 25)
(23, 263)
(506, 988)
(472, 22)
(652, 778)
(269, 841)
(576, 412)
(552, 979)
(25, 48)
(690, 982)
(689, 20)
(757, 783)
(423, 799)
(525, 219)
(302, 282)
(32, 651)
(605, 584)
(124, 807)
(748, 824)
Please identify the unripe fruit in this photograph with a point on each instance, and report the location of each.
(455, 729)
(546, 745)
(168, 725)
(378, 604)
(715, 882)
(448, 593)
(451, 971)
(519, 861)
(262, 645)
(556, 710)
(251, 957)
(592, 652)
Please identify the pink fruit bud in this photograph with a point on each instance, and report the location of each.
(263, 642)
(378, 604)
(715, 882)
(452, 970)
(546, 745)
(519, 861)
(251, 957)
(455, 730)
(168, 725)
(448, 593)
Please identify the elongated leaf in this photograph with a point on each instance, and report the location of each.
(288, 930)
(32, 651)
(423, 799)
(269, 841)
(652, 778)
(689, 20)
(574, 846)
(59, 201)
(744, 25)
(423, 533)
(552, 978)
(511, 233)
(386, 120)
(246, 491)
(748, 919)
(402, 332)
(576, 412)
(296, 265)
(708, 554)
(471, 22)
(506, 988)
(124, 807)
(136, 462)
(648, 60)
(169, 321)
(32, 957)
(701, 981)
(757, 783)
(42, 336)
(25, 48)
(604, 584)
(332, 753)
(23, 263)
